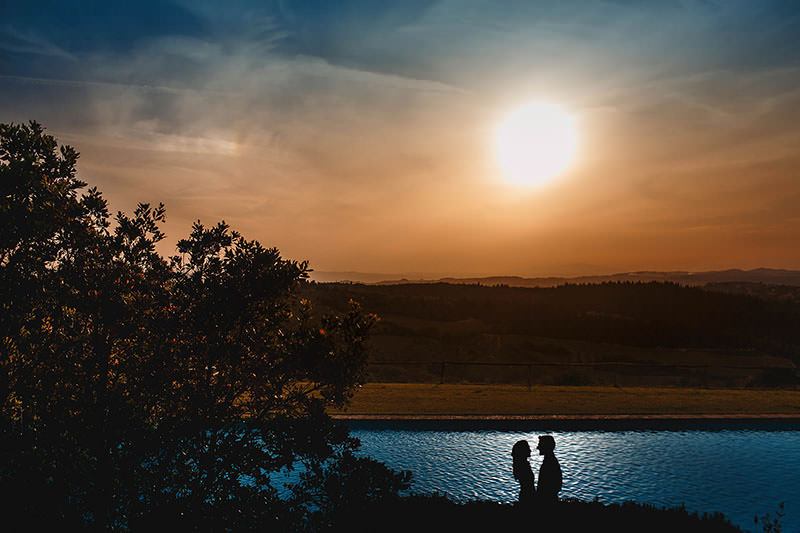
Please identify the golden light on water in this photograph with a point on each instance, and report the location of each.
(535, 143)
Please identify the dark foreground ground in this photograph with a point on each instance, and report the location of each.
(416, 514)
(435, 513)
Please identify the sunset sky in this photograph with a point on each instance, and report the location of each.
(361, 135)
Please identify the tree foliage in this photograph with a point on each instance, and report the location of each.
(142, 390)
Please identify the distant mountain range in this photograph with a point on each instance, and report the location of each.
(759, 275)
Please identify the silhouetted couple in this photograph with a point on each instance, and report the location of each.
(549, 473)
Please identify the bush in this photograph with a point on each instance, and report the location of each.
(138, 389)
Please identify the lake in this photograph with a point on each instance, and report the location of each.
(741, 468)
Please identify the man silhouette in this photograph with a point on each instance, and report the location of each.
(550, 471)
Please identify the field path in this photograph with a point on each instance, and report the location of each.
(410, 400)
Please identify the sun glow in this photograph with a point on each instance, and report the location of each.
(535, 143)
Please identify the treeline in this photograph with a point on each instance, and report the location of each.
(635, 314)
(764, 291)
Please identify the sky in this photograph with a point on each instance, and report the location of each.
(358, 135)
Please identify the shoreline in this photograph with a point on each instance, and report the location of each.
(782, 417)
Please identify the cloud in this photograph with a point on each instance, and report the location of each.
(22, 42)
(334, 128)
(86, 84)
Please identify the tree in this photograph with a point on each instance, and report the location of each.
(140, 389)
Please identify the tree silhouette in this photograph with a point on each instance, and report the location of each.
(141, 390)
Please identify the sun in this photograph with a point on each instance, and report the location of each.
(535, 143)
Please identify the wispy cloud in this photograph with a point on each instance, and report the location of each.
(13, 40)
(363, 125)
(81, 84)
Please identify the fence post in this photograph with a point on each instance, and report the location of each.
(441, 376)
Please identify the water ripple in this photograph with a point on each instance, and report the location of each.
(738, 472)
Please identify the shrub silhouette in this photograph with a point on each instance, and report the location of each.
(138, 389)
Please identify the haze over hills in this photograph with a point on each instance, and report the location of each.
(759, 275)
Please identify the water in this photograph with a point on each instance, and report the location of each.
(739, 469)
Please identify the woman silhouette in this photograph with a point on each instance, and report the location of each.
(523, 473)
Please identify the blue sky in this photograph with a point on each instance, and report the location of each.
(356, 133)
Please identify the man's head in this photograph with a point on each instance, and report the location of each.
(546, 444)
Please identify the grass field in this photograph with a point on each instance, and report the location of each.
(421, 399)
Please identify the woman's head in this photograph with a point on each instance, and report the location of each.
(521, 450)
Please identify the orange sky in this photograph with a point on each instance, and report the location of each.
(369, 147)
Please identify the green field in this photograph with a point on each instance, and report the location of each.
(626, 335)
(514, 359)
(402, 399)
(624, 349)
